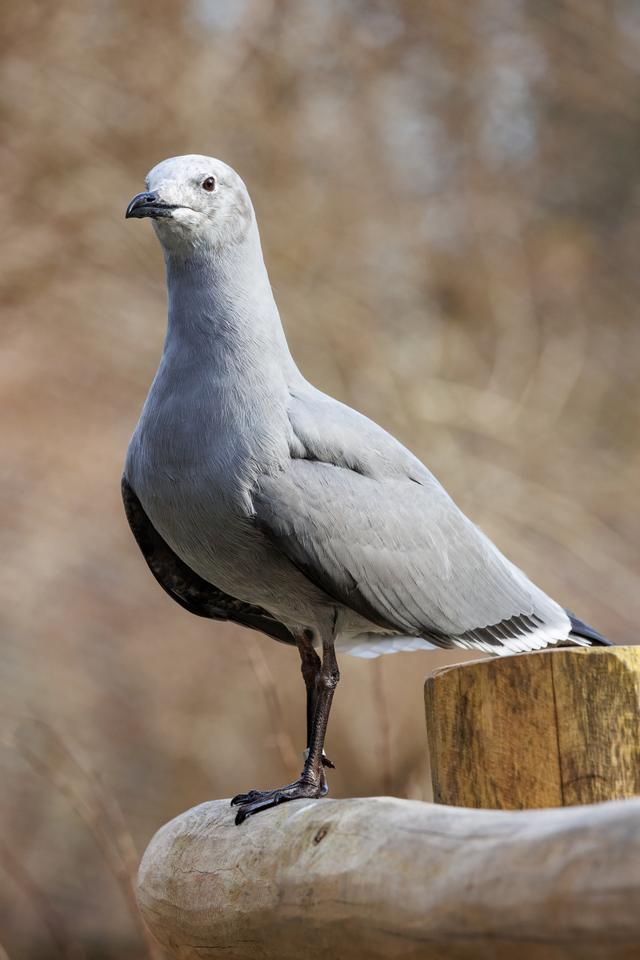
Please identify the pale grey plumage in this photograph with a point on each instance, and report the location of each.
(282, 496)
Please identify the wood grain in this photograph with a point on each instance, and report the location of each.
(382, 878)
(554, 728)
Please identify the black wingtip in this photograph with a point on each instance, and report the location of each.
(580, 629)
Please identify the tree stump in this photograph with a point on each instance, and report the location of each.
(548, 729)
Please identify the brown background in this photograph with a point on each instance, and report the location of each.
(448, 199)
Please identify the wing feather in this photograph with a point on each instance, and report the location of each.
(374, 529)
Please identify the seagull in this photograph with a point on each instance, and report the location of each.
(258, 499)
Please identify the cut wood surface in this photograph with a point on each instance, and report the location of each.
(378, 878)
(554, 728)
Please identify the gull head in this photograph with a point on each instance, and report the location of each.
(195, 202)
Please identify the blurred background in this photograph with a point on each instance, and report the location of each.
(448, 200)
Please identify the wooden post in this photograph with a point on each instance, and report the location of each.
(383, 878)
(549, 729)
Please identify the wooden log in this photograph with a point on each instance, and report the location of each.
(383, 878)
(549, 729)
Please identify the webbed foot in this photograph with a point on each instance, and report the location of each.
(256, 800)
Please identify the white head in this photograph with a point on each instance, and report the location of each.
(195, 203)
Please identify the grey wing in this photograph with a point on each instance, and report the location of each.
(186, 587)
(369, 524)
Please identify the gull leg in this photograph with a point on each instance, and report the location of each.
(312, 781)
(311, 667)
(326, 683)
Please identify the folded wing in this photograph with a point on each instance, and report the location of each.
(377, 532)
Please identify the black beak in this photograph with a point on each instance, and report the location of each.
(148, 205)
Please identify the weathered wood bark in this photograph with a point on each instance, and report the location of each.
(555, 728)
(380, 878)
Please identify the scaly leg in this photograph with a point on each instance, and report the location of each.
(312, 781)
(311, 667)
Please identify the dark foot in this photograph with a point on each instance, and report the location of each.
(257, 800)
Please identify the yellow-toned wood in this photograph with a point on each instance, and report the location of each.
(382, 878)
(597, 695)
(554, 728)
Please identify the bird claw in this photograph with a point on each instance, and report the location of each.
(246, 797)
(256, 800)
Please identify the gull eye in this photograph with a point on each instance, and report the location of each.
(209, 184)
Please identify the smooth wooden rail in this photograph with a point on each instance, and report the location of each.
(379, 878)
